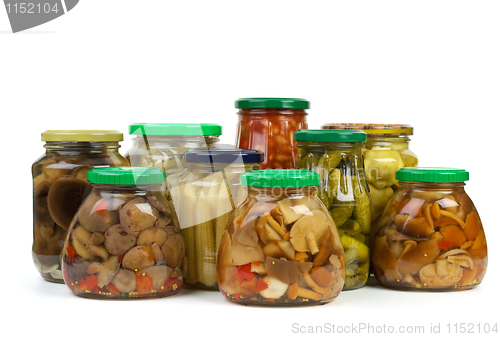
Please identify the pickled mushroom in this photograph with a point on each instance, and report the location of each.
(54, 170)
(117, 241)
(247, 234)
(95, 215)
(287, 212)
(424, 253)
(265, 231)
(242, 254)
(286, 271)
(136, 215)
(305, 225)
(383, 258)
(174, 250)
(109, 270)
(440, 274)
(159, 274)
(158, 201)
(124, 281)
(80, 172)
(418, 227)
(138, 257)
(279, 249)
(64, 198)
(152, 235)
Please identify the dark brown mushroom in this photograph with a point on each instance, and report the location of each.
(95, 214)
(64, 198)
(173, 250)
(286, 271)
(117, 241)
(137, 214)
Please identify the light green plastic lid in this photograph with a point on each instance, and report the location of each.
(330, 136)
(175, 129)
(280, 178)
(432, 175)
(126, 176)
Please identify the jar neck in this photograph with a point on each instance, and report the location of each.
(282, 192)
(227, 167)
(81, 147)
(351, 147)
(295, 112)
(127, 189)
(455, 187)
(387, 138)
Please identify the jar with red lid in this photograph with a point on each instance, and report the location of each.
(268, 125)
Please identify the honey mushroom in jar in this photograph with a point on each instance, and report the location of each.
(60, 186)
(430, 236)
(281, 247)
(123, 242)
(268, 125)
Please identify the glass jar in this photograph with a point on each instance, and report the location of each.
(430, 236)
(281, 247)
(162, 145)
(122, 242)
(336, 155)
(386, 151)
(60, 186)
(205, 196)
(267, 125)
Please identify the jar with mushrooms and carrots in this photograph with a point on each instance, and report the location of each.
(385, 151)
(205, 196)
(123, 242)
(60, 186)
(430, 236)
(267, 125)
(281, 247)
(336, 155)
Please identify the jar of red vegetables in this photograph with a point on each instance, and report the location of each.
(122, 242)
(268, 125)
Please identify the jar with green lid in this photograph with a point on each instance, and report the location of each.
(205, 196)
(430, 236)
(162, 145)
(386, 151)
(336, 155)
(281, 247)
(60, 185)
(267, 124)
(123, 242)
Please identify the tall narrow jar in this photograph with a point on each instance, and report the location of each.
(60, 185)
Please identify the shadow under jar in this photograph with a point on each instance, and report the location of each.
(336, 155)
(268, 125)
(123, 243)
(60, 186)
(430, 236)
(280, 247)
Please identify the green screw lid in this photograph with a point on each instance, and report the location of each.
(175, 129)
(432, 175)
(126, 176)
(279, 178)
(271, 103)
(331, 136)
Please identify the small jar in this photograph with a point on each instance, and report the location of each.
(281, 247)
(267, 125)
(60, 186)
(162, 145)
(123, 243)
(336, 155)
(430, 236)
(386, 151)
(205, 196)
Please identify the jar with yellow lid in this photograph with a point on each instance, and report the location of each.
(60, 186)
(386, 151)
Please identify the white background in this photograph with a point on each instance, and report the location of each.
(106, 64)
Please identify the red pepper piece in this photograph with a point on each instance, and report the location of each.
(261, 285)
(144, 284)
(71, 252)
(245, 271)
(444, 245)
(112, 289)
(91, 282)
(173, 284)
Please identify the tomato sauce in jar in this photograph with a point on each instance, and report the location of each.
(268, 125)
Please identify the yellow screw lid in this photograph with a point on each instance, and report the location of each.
(82, 136)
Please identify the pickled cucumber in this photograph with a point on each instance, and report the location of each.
(333, 183)
(361, 211)
(349, 242)
(351, 228)
(341, 214)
